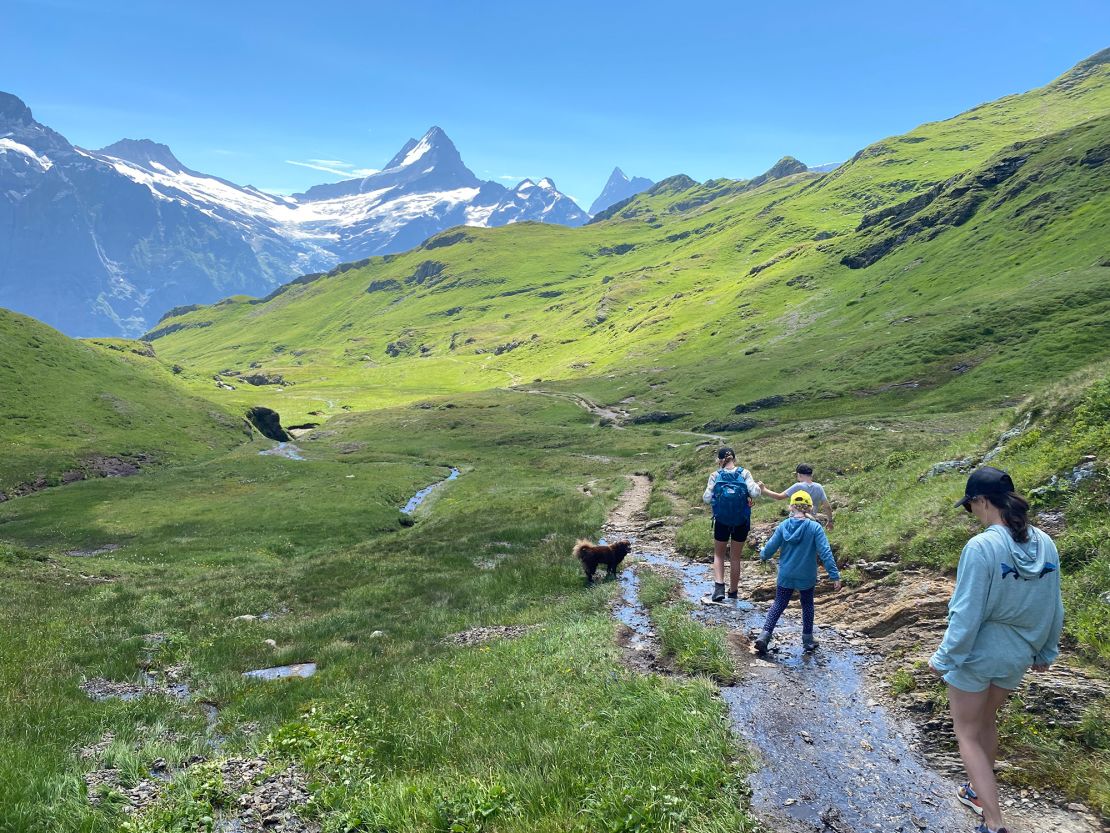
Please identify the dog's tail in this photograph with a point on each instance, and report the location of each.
(579, 544)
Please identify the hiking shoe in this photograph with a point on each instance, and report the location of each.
(732, 594)
(809, 644)
(718, 592)
(967, 796)
(761, 642)
(982, 828)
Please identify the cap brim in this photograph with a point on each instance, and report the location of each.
(964, 501)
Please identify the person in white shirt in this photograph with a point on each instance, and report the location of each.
(730, 491)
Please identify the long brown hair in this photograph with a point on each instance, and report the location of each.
(1015, 514)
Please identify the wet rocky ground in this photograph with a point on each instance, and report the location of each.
(836, 750)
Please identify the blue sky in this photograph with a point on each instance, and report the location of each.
(243, 89)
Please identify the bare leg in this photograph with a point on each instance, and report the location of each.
(735, 551)
(719, 561)
(996, 700)
(971, 714)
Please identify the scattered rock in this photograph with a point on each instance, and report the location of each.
(101, 550)
(271, 642)
(377, 635)
(99, 688)
(95, 750)
(246, 617)
(653, 417)
(1052, 521)
(270, 804)
(730, 426)
(100, 781)
(947, 466)
(479, 636)
(875, 569)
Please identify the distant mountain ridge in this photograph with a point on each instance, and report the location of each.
(619, 187)
(102, 242)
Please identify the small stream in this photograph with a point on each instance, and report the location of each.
(286, 450)
(832, 757)
(422, 495)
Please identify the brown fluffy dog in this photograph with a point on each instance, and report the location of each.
(591, 554)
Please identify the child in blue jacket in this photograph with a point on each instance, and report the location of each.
(802, 541)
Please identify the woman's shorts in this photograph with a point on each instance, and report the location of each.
(739, 532)
(966, 680)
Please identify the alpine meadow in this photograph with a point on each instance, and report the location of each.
(940, 300)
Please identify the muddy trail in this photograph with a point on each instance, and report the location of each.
(833, 753)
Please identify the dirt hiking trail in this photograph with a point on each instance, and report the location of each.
(833, 752)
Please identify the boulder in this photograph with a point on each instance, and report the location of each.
(268, 423)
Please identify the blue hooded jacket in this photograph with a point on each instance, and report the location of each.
(802, 541)
(1006, 611)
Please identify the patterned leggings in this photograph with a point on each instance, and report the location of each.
(783, 595)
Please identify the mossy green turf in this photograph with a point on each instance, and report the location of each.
(728, 295)
(698, 300)
(63, 402)
(575, 740)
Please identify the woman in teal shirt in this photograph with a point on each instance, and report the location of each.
(1004, 618)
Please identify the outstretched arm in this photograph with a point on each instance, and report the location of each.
(771, 492)
(772, 546)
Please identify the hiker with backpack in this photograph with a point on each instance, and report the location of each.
(730, 491)
(802, 541)
(804, 475)
(1005, 617)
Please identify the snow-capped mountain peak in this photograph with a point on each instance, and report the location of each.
(145, 153)
(123, 233)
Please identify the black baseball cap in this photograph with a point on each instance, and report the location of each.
(725, 453)
(985, 480)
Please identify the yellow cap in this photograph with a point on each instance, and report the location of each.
(801, 499)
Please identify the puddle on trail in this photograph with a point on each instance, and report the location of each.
(422, 495)
(286, 450)
(299, 669)
(832, 757)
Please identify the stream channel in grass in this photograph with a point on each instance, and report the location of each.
(831, 756)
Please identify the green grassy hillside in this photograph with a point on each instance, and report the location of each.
(975, 243)
(939, 289)
(67, 405)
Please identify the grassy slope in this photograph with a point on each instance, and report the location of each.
(66, 401)
(579, 741)
(549, 733)
(690, 307)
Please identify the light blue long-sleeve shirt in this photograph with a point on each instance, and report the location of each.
(1006, 611)
(802, 542)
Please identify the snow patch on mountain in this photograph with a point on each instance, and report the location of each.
(10, 145)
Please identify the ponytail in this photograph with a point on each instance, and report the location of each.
(1015, 514)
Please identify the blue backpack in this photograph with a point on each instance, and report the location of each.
(730, 498)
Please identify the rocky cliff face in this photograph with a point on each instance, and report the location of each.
(619, 187)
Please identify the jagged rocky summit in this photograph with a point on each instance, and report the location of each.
(619, 187)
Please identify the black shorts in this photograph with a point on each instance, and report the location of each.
(738, 533)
